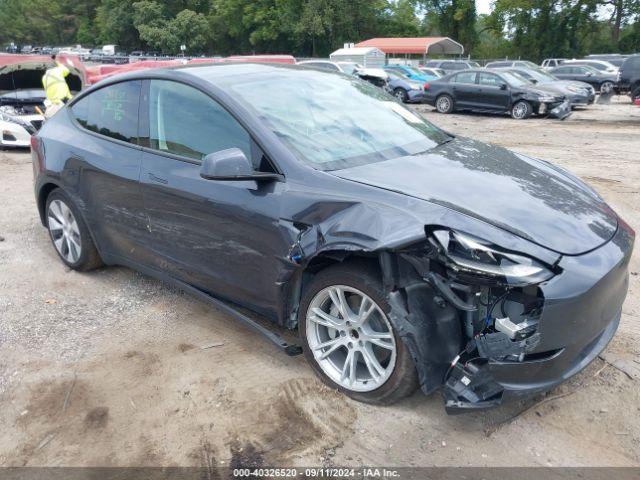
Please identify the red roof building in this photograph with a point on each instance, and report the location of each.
(415, 45)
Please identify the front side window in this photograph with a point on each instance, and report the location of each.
(184, 121)
(111, 111)
(488, 79)
(332, 121)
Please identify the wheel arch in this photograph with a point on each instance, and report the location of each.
(43, 193)
(432, 332)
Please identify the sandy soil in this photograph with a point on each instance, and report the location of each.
(107, 368)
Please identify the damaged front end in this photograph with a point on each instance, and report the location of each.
(509, 325)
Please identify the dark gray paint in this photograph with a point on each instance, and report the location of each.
(254, 243)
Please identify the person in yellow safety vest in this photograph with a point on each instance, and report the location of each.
(55, 87)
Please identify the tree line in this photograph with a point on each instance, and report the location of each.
(531, 29)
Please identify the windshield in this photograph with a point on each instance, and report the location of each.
(415, 71)
(540, 76)
(515, 81)
(348, 67)
(589, 68)
(332, 121)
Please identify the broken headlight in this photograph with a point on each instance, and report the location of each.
(478, 261)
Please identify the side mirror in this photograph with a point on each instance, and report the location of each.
(503, 86)
(589, 74)
(232, 164)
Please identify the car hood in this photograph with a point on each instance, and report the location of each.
(527, 197)
(572, 83)
(545, 89)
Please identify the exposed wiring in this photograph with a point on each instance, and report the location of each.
(502, 297)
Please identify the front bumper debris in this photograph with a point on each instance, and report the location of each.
(581, 313)
(560, 111)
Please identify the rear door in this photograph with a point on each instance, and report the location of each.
(465, 90)
(491, 95)
(221, 236)
(108, 162)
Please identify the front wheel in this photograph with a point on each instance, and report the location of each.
(521, 110)
(349, 340)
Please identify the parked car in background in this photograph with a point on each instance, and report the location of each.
(603, 82)
(434, 72)
(409, 72)
(491, 91)
(578, 93)
(615, 59)
(405, 89)
(629, 78)
(449, 66)
(26, 49)
(345, 67)
(315, 202)
(511, 63)
(600, 65)
(549, 63)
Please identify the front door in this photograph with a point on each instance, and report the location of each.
(221, 236)
(491, 94)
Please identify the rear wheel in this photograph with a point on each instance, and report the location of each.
(401, 94)
(521, 110)
(606, 87)
(349, 339)
(69, 234)
(444, 103)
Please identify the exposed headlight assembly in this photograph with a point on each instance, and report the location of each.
(477, 261)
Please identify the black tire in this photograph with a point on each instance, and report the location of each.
(521, 110)
(606, 87)
(444, 103)
(89, 258)
(401, 94)
(403, 380)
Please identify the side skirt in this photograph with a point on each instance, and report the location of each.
(273, 337)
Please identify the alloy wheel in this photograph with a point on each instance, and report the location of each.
(64, 231)
(520, 110)
(351, 338)
(606, 87)
(444, 104)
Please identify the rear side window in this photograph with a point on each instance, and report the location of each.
(111, 111)
(465, 77)
(186, 122)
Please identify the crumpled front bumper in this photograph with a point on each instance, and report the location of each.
(560, 110)
(582, 308)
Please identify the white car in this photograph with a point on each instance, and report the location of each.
(19, 118)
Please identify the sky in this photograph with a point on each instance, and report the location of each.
(483, 6)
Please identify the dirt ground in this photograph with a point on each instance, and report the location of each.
(108, 368)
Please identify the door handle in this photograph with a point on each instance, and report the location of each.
(157, 179)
